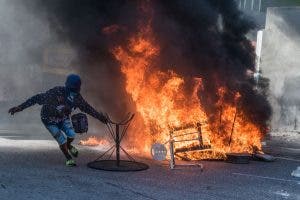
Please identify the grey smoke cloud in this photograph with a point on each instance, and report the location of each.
(280, 63)
(188, 31)
(22, 39)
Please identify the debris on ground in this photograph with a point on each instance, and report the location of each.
(263, 157)
(296, 173)
(238, 158)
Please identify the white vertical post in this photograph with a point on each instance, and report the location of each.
(252, 4)
(258, 49)
(258, 55)
(259, 5)
(245, 3)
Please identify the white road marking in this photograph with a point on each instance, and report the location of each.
(282, 193)
(267, 177)
(290, 159)
(288, 148)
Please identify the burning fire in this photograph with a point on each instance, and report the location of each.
(93, 141)
(164, 104)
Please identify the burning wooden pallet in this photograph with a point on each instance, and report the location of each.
(183, 135)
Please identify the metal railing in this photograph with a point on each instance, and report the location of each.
(252, 5)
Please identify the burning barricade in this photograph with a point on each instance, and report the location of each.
(198, 118)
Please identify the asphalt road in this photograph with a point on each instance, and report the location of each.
(34, 169)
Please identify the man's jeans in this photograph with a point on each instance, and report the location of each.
(61, 131)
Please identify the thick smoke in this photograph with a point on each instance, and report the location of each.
(21, 58)
(193, 40)
(280, 63)
(80, 23)
(197, 39)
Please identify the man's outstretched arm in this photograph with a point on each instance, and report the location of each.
(36, 99)
(87, 108)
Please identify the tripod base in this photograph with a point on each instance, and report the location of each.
(124, 166)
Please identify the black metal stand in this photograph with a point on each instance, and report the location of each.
(117, 132)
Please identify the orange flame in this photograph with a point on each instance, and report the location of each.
(163, 103)
(93, 141)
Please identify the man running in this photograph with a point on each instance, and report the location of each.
(57, 105)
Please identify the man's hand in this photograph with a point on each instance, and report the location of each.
(14, 110)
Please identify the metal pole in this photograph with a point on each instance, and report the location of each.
(220, 120)
(172, 156)
(118, 144)
(200, 135)
(232, 128)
